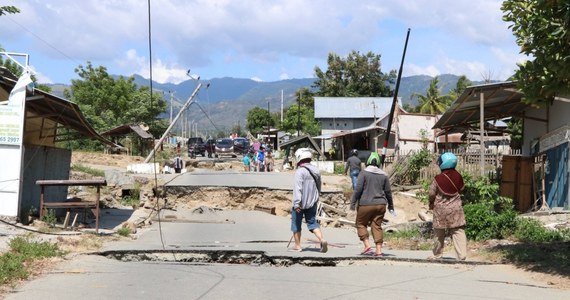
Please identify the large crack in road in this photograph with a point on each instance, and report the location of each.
(257, 258)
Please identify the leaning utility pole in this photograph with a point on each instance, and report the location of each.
(394, 103)
(186, 105)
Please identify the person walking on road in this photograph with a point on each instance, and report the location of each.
(178, 164)
(306, 190)
(260, 157)
(445, 201)
(246, 163)
(370, 197)
(353, 165)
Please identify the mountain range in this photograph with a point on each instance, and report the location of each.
(223, 103)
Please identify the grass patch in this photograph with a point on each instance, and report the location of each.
(133, 199)
(88, 170)
(411, 239)
(124, 231)
(18, 261)
(81, 243)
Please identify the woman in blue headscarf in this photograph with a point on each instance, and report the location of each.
(445, 201)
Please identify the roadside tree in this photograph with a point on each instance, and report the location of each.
(433, 102)
(301, 115)
(357, 75)
(542, 30)
(258, 119)
(107, 102)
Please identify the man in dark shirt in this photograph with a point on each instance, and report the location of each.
(178, 164)
(353, 165)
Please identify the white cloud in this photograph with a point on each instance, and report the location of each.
(161, 72)
(412, 69)
(270, 39)
(41, 78)
(508, 62)
(256, 79)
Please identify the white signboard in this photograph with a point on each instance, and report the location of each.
(11, 124)
(11, 148)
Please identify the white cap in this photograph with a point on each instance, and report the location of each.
(303, 153)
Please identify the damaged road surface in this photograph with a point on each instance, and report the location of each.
(246, 258)
(238, 254)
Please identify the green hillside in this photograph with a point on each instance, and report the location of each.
(227, 100)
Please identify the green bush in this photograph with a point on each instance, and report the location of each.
(50, 217)
(31, 249)
(12, 267)
(422, 194)
(124, 231)
(531, 230)
(339, 168)
(484, 223)
(418, 160)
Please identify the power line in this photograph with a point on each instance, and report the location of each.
(44, 41)
(208, 117)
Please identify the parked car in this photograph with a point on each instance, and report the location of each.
(241, 146)
(211, 147)
(196, 146)
(224, 147)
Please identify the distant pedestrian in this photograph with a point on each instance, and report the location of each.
(353, 166)
(246, 163)
(445, 201)
(260, 159)
(371, 195)
(178, 164)
(306, 190)
(269, 162)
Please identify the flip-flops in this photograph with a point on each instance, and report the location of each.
(295, 250)
(367, 251)
(434, 258)
(324, 246)
(378, 255)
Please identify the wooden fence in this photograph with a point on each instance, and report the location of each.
(467, 160)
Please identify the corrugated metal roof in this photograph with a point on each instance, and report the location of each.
(45, 105)
(352, 107)
(501, 99)
(357, 130)
(127, 129)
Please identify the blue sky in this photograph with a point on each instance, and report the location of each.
(262, 40)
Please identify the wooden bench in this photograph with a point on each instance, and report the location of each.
(72, 204)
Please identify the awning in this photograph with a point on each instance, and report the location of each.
(40, 104)
(128, 129)
(323, 137)
(500, 100)
(300, 140)
(358, 130)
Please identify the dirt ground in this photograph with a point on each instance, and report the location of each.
(407, 206)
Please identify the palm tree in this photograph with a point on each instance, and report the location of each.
(433, 102)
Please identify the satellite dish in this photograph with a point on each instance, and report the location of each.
(144, 127)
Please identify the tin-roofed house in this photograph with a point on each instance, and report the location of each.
(354, 123)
